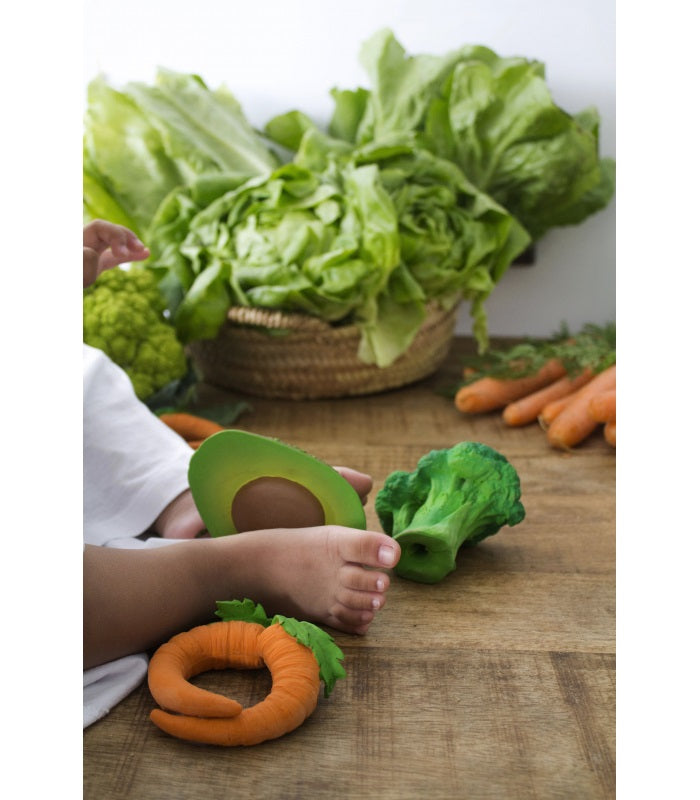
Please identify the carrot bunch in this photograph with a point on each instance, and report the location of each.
(298, 654)
(566, 383)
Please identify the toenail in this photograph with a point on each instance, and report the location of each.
(386, 555)
(380, 585)
(375, 603)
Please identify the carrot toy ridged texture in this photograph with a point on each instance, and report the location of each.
(206, 647)
(292, 698)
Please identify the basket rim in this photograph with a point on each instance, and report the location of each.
(276, 319)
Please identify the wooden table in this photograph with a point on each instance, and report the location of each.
(498, 682)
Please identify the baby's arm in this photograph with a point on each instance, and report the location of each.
(105, 245)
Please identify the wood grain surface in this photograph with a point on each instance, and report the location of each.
(498, 682)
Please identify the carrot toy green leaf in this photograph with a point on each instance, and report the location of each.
(242, 611)
(324, 648)
(298, 655)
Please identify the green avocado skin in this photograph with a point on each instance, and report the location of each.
(228, 460)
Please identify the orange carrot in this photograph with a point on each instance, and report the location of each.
(528, 408)
(191, 427)
(488, 394)
(553, 409)
(574, 423)
(602, 406)
(609, 432)
(206, 717)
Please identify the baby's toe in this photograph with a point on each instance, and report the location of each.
(350, 620)
(359, 579)
(360, 601)
(368, 548)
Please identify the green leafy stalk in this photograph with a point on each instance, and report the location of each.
(326, 652)
(593, 347)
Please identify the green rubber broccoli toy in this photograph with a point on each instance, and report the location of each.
(455, 496)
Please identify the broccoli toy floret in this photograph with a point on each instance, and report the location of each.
(457, 495)
(123, 317)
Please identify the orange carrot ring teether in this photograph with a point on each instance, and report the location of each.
(210, 718)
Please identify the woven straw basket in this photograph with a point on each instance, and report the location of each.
(298, 357)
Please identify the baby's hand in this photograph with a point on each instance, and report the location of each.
(105, 245)
(179, 519)
(360, 482)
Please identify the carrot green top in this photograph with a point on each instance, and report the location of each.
(325, 650)
(593, 347)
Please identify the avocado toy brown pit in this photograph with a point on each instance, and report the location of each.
(275, 503)
(243, 481)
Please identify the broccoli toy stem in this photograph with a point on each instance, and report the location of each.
(455, 496)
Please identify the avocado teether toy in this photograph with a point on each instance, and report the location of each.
(243, 481)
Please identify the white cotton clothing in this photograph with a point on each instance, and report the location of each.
(133, 466)
(108, 684)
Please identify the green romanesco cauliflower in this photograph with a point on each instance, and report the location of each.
(123, 317)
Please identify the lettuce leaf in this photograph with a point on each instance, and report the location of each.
(367, 235)
(125, 164)
(144, 141)
(494, 117)
(454, 240)
(291, 240)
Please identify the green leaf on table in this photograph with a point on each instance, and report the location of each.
(321, 644)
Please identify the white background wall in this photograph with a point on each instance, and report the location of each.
(275, 55)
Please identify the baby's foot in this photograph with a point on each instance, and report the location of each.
(331, 575)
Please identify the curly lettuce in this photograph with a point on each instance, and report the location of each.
(144, 140)
(292, 240)
(494, 117)
(366, 235)
(455, 241)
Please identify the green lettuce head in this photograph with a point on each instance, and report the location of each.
(494, 117)
(455, 241)
(292, 240)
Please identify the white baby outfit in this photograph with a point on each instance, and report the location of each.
(133, 466)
